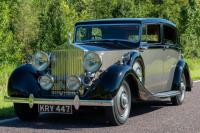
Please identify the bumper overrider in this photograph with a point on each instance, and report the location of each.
(76, 102)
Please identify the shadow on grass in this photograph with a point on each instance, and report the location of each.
(6, 112)
(87, 118)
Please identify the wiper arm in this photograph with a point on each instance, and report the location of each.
(113, 42)
(118, 41)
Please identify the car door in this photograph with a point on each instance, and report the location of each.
(152, 53)
(171, 55)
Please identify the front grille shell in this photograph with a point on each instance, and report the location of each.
(65, 63)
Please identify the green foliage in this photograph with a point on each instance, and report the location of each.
(6, 36)
(191, 33)
(194, 65)
(56, 21)
(27, 26)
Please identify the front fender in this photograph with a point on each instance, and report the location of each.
(133, 56)
(109, 81)
(182, 68)
(23, 81)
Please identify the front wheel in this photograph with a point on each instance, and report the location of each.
(119, 112)
(178, 100)
(25, 113)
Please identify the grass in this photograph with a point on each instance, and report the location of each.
(6, 109)
(194, 66)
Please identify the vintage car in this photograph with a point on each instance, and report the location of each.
(110, 64)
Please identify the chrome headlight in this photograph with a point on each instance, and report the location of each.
(40, 61)
(46, 82)
(92, 62)
(73, 83)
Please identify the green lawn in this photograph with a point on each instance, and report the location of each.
(6, 109)
(194, 65)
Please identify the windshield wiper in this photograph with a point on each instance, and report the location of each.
(112, 41)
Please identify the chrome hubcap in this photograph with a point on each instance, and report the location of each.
(182, 89)
(138, 70)
(123, 102)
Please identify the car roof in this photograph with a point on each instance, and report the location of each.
(126, 20)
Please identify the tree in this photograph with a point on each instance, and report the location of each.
(56, 19)
(30, 25)
(24, 25)
(6, 36)
(191, 34)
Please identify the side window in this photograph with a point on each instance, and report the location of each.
(170, 35)
(153, 33)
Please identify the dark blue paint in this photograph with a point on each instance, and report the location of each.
(181, 68)
(109, 81)
(126, 20)
(23, 81)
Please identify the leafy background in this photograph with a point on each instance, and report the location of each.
(29, 25)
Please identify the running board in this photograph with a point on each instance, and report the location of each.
(167, 94)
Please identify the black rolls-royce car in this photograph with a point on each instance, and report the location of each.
(111, 63)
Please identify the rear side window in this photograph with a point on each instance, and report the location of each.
(151, 33)
(170, 35)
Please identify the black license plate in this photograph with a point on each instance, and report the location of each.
(67, 109)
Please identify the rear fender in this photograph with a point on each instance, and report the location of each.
(182, 68)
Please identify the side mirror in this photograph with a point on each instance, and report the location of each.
(69, 40)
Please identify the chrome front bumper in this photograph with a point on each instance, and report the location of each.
(76, 102)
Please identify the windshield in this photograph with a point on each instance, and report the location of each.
(126, 32)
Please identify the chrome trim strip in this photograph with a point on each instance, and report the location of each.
(76, 102)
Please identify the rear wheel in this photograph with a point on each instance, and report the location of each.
(24, 112)
(178, 100)
(119, 112)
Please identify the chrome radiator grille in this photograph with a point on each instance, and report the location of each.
(65, 63)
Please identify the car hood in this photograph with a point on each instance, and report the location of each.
(108, 56)
(92, 48)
